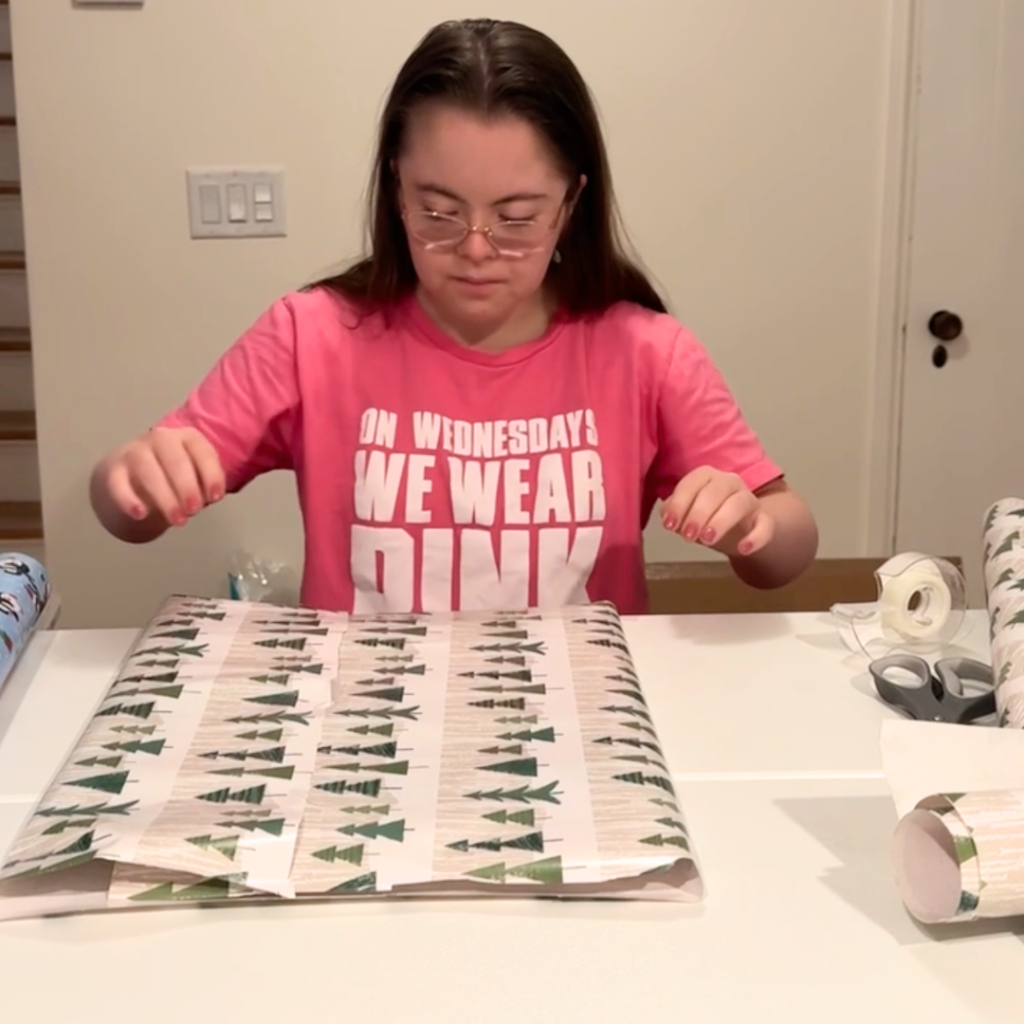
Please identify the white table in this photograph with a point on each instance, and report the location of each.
(791, 820)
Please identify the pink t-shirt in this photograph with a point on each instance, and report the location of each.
(434, 477)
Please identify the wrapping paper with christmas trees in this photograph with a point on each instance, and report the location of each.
(1004, 589)
(958, 849)
(249, 752)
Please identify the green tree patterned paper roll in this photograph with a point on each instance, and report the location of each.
(960, 857)
(1004, 590)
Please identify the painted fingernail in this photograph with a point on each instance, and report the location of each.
(216, 494)
(192, 506)
(138, 512)
(669, 523)
(690, 533)
(708, 535)
(746, 547)
(177, 518)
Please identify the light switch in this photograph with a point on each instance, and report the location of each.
(236, 202)
(209, 204)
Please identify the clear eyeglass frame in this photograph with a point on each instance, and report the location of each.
(513, 239)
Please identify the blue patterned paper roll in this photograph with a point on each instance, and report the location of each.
(24, 591)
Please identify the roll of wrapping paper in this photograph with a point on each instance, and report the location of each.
(1004, 590)
(24, 591)
(960, 856)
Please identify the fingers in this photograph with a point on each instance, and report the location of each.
(150, 481)
(707, 504)
(716, 508)
(758, 536)
(208, 469)
(169, 473)
(124, 495)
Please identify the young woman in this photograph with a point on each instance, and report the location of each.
(483, 411)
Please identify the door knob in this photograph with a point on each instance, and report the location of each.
(945, 326)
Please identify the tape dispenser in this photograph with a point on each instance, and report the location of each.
(921, 608)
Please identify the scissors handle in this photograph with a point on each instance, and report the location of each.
(937, 697)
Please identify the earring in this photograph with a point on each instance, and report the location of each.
(557, 257)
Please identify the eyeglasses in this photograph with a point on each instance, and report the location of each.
(511, 238)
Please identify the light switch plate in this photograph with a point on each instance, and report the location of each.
(237, 202)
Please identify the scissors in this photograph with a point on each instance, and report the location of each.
(935, 696)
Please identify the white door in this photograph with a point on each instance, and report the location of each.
(962, 425)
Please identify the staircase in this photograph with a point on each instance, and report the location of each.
(21, 521)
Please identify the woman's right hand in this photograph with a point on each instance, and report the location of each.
(156, 481)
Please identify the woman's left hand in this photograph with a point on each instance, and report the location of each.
(718, 510)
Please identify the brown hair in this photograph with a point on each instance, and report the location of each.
(494, 68)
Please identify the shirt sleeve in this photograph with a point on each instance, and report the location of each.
(247, 405)
(699, 423)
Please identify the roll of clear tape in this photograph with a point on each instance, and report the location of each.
(921, 607)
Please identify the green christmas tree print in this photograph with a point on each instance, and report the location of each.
(134, 730)
(152, 747)
(522, 766)
(533, 842)
(388, 767)
(160, 677)
(393, 830)
(524, 794)
(395, 694)
(77, 810)
(367, 787)
(364, 883)
(284, 698)
(217, 888)
(225, 845)
(276, 679)
(106, 762)
(636, 712)
(297, 643)
(1007, 545)
(277, 718)
(275, 754)
(639, 779)
(273, 827)
(513, 703)
(517, 720)
(135, 710)
(177, 634)
(112, 782)
(547, 872)
(667, 841)
(385, 729)
(411, 713)
(270, 735)
(375, 750)
(531, 735)
(502, 817)
(348, 854)
(250, 795)
(514, 748)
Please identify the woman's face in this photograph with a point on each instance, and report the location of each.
(485, 173)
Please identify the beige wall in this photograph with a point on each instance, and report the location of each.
(747, 140)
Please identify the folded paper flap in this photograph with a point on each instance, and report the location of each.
(244, 748)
